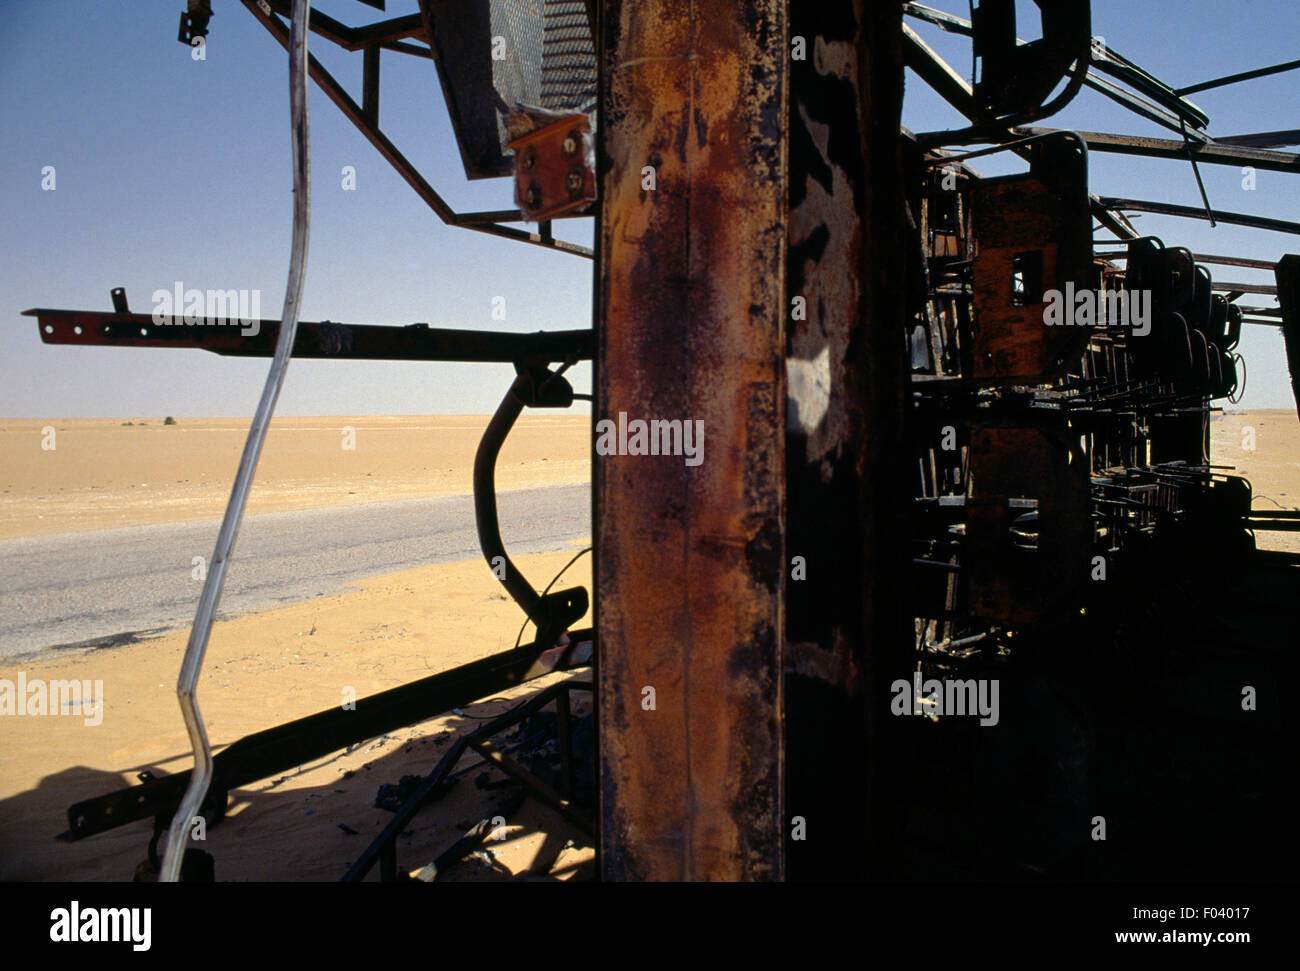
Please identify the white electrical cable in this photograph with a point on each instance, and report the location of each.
(191, 667)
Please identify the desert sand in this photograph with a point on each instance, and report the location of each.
(103, 473)
(262, 670)
(271, 667)
(1273, 466)
(266, 668)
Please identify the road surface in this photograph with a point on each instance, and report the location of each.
(105, 585)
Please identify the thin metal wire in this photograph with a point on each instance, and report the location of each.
(554, 580)
(191, 667)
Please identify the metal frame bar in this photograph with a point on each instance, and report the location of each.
(303, 740)
(1203, 258)
(383, 850)
(321, 341)
(1192, 212)
(1166, 111)
(353, 39)
(1217, 153)
(1243, 76)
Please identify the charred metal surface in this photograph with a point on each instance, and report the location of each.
(552, 613)
(1017, 77)
(690, 326)
(845, 620)
(1288, 295)
(1026, 562)
(1032, 234)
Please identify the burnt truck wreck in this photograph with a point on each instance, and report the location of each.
(954, 438)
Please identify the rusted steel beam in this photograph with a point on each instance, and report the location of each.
(1193, 212)
(846, 623)
(690, 327)
(1218, 153)
(323, 340)
(1202, 258)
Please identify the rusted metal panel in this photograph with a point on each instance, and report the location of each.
(689, 567)
(1026, 572)
(554, 170)
(1032, 235)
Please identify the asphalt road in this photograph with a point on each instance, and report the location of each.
(108, 584)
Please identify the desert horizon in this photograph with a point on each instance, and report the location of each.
(268, 666)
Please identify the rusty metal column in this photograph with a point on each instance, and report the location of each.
(689, 555)
(847, 504)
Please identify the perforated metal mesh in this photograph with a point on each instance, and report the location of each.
(549, 62)
(544, 59)
(568, 59)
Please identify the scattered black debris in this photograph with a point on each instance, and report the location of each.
(391, 797)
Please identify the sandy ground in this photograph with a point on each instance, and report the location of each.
(269, 667)
(103, 473)
(261, 670)
(1273, 466)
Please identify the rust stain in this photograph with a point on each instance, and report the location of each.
(689, 568)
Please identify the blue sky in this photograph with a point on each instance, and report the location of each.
(174, 169)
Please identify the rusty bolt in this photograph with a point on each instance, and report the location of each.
(533, 197)
(570, 146)
(574, 180)
(530, 160)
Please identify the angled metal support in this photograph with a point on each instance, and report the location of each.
(1217, 153)
(364, 119)
(1192, 212)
